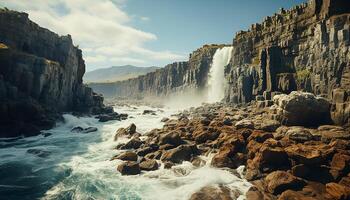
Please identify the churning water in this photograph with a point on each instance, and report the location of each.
(66, 165)
(216, 79)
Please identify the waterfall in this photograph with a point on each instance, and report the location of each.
(216, 79)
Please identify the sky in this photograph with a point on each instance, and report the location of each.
(146, 32)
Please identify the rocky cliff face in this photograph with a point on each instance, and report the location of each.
(40, 76)
(306, 48)
(173, 78)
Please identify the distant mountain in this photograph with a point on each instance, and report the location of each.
(116, 73)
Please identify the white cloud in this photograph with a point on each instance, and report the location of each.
(101, 28)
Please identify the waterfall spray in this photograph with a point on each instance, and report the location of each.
(216, 79)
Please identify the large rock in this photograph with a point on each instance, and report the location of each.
(214, 193)
(128, 156)
(280, 181)
(180, 153)
(300, 108)
(171, 138)
(129, 168)
(149, 165)
(337, 192)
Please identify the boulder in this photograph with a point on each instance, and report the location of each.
(336, 191)
(294, 195)
(149, 165)
(214, 193)
(129, 131)
(171, 138)
(270, 125)
(180, 153)
(127, 156)
(134, 143)
(299, 134)
(280, 181)
(301, 108)
(79, 129)
(129, 168)
(309, 154)
(244, 124)
(227, 157)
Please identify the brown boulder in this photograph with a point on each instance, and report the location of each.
(214, 193)
(280, 181)
(259, 136)
(293, 195)
(171, 138)
(127, 156)
(336, 191)
(309, 154)
(149, 165)
(180, 153)
(129, 168)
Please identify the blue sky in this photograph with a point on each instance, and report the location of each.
(146, 32)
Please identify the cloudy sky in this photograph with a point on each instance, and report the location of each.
(145, 32)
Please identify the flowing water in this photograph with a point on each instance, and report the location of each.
(216, 80)
(66, 165)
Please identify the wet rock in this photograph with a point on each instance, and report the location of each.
(165, 119)
(129, 168)
(270, 125)
(244, 124)
(198, 162)
(309, 154)
(180, 153)
(127, 156)
(79, 129)
(149, 112)
(341, 163)
(299, 134)
(293, 195)
(109, 117)
(171, 138)
(228, 157)
(214, 193)
(146, 150)
(168, 164)
(337, 192)
(134, 143)
(149, 165)
(38, 152)
(129, 131)
(205, 136)
(300, 108)
(259, 136)
(280, 181)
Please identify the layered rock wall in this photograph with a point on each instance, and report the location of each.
(40, 76)
(173, 78)
(306, 48)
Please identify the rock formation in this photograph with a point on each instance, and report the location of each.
(173, 78)
(305, 48)
(40, 77)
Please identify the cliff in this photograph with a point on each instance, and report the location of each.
(305, 48)
(173, 78)
(40, 77)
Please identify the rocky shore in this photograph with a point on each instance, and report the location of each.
(287, 155)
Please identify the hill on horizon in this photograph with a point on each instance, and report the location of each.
(116, 73)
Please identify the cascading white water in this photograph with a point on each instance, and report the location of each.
(216, 79)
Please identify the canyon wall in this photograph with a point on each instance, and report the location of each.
(173, 78)
(40, 77)
(305, 48)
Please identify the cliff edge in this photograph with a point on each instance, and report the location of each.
(40, 77)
